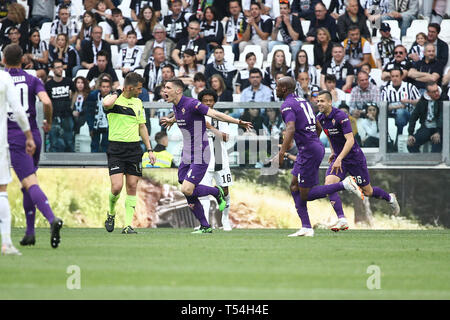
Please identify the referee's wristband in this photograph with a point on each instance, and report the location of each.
(118, 92)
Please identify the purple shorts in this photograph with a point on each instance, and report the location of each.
(353, 168)
(306, 167)
(193, 173)
(23, 164)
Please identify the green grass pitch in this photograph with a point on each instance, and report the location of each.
(242, 264)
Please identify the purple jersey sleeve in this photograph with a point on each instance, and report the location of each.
(345, 123)
(38, 85)
(201, 108)
(287, 113)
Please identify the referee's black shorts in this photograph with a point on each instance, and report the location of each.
(124, 157)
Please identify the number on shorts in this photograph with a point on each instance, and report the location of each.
(358, 179)
(226, 178)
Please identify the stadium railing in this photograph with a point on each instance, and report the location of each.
(376, 157)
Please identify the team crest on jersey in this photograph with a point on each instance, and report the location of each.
(183, 110)
(196, 106)
(333, 122)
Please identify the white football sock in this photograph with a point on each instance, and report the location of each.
(206, 203)
(5, 219)
(227, 208)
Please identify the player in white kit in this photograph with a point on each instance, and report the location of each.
(219, 168)
(10, 102)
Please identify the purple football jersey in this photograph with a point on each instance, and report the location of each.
(335, 126)
(29, 86)
(300, 111)
(190, 114)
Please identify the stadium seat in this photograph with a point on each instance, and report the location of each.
(24, 3)
(327, 3)
(285, 48)
(134, 24)
(104, 26)
(31, 72)
(407, 42)
(119, 76)
(305, 26)
(45, 31)
(82, 73)
(416, 27)
(114, 56)
(139, 71)
(376, 75)
(125, 7)
(236, 97)
(445, 30)
(309, 48)
(250, 48)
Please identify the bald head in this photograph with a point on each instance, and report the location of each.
(285, 86)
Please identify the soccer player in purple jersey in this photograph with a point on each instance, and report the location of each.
(24, 165)
(189, 114)
(346, 157)
(301, 125)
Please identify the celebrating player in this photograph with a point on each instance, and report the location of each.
(25, 165)
(126, 119)
(346, 157)
(301, 126)
(10, 94)
(219, 168)
(190, 115)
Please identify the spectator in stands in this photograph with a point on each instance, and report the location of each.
(369, 125)
(429, 69)
(234, 28)
(368, 69)
(337, 8)
(176, 23)
(73, 10)
(322, 48)
(441, 46)
(302, 65)
(362, 94)
(41, 11)
(220, 66)
(278, 64)
(434, 11)
(352, 17)
(118, 27)
(273, 123)
(258, 28)
(256, 92)
(146, 23)
(242, 80)
(401, 97)
(278, 76)
(16, 18)
(80, 92)
(190, 68)
(346, 109)
(89, 49)
(58, 89)
(418, 48)
(287, 30)
(429, 111)
(160, 40)
(64, 25)
(375, 9)
(404, 11)
(337, 95)
(385, 47)
(164, 159)
(340, 68)
(321, 19)
(36, 55)
(4, 4)
(304, 86)
(253, 115)
(211, 30)
(14, 37)
(87, 26)
(67, 54)
(138, 6)
(102, 11)
(291, 154)
(446, 86)
(91, 5)
(199, 86)
(303, 9)
(224, 94)
(130, 56)
(191, 41)
(103, 66)
(357, 49)
(153, 72)
(96, 117)
(167, 72)
(400, 61)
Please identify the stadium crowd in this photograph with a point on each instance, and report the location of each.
(364, 52)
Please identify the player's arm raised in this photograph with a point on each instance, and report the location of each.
(109, 100)
(48, 110)
(226, 118)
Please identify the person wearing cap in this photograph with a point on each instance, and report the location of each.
(160, 40)
(385, 47)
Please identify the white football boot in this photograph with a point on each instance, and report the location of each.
(341, 224)
(10, 250)
(303, 232)
(394, 204)
(351, 185)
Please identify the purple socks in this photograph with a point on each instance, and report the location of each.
(380, 194)
(30, 212)
(302, 209)
(197, 209)
(39, 199)
(337, 204)
(201, 191)
(318, 192)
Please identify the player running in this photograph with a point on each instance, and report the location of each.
(25, 165)
(219, 168)
(190, 115)
(126, 120)
(301, 126)
(346, 157)
(9, 94)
